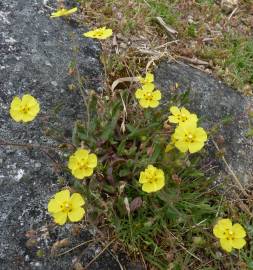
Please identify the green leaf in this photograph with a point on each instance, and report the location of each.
(75, 139)
(124, 172)
(136, 133)
(158, 148)
(249, 133)
(110, 126)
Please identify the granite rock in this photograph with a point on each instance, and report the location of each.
(218, 106)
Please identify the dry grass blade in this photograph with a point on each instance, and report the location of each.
(169, 30)
(121, 80)
(194, 61)
(75, 247)
(236, 180)
(99, 254)
(183, 247)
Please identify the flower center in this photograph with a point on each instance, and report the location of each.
(82, 165)
(183, 117)
(189, 138)
(25, 109)
(66, 207)
(229, 234)
(100, 33)
(148, 96)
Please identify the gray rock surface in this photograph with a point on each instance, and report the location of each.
(35, 53)
(215, 103)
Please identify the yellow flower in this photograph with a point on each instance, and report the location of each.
(152, 179)
(82, 164)
(147, 97)
(181, 115)
(63, 12)
(148, 79)
(62, 206)
(189, 137)
(231, 236)
(24, 109)
(99, 33)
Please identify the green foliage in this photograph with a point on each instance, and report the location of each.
(240, 61)
(191, 30)
(205, 2)
(165, 10)
(234, 54)
(126, 140)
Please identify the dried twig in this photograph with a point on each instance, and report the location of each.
(28, 145)
(99, 254)
(121, 80)
(236, 180)
(194, 61)
(170, 31)
(75, 247)
(232, 13)
(184, 248)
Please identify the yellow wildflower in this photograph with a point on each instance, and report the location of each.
(148, 79)
(62, 206)
(181, 115)
(231, 236)
(82, 164)
(147, 96)
(189, 137)
(24, 109)
(99, 33)
(63, 12)
(152, 179)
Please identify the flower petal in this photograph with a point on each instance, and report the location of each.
(173, 119)
(28, 99)
(226, 223)
(226, 244)
(153, 186)
(53, 206)
(60, 217)
(157, 95)
(16, 115)
(92, 161)
(238, 230)
(181, 146)
(62, 196)
(174, 110)
(76, 200)
(76, 214)
(201, 134)
(143, 179)
(169, 147)
(27, 117)
(81, 173)
(195, 147)
(193, 117)
(185, 112)
(72, 164)
(238, 243)
(149, 77)
(153, 103)
(139, 93)
(81, 154)
(219, 231)
(149, 87)
(144, 103)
